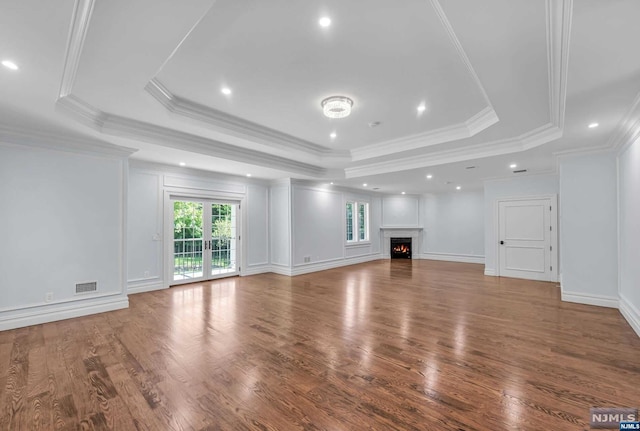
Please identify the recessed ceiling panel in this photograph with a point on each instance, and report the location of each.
(279, 63)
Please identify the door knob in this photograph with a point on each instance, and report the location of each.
(501, 242)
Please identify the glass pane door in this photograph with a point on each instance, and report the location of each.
(223, 239)
(188, 240)
(205, 240)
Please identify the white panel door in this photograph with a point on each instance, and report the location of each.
(526, 234)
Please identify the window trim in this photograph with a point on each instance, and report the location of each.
(356, 241)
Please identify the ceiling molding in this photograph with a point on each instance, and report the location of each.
(82, 11)
(458, 46)
(559, 18)
(61, 142)
(483, 119)
(526, 141)
(236, 126)
(116, 125)
(628, 129)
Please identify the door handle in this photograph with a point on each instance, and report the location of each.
(501, 242)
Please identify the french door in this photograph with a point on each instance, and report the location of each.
(205, 240)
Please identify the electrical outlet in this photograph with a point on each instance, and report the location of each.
(146, 273)
(48, 297)
(307, 259)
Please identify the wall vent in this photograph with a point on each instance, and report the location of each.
(470, 167)
(87, 287)
(520, 171)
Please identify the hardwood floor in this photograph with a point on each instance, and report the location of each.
(387, 345)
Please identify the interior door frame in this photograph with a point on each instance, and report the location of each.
(554, 231)
(171, 194)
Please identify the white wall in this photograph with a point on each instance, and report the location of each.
(401, 211)
(629, 234)
(532, 185)
(588, 229)
(149, 185)
(280, 224)
(257, 227)
(318, 228)
(63, 223)
(453, 226)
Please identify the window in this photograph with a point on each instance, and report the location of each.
(357, 221)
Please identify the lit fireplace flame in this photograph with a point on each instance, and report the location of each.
(401, 249)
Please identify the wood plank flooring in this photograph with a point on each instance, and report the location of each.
(387, 345)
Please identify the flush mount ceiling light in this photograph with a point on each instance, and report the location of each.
(593, 125)
(325, 21)
(336, 106)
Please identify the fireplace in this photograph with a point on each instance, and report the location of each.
(400, 248)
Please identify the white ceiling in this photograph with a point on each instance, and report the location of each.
(503, 81)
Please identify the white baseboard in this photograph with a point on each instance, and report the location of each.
(450, 257)
(256, 269)
(54, 312)
(590, 299)
(133, 288)
(631, 313)
(323, 266)
(490, 272)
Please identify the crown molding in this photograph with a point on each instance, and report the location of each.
(559, 18)
(60, 142)
(236, 126)
(534, 138)
(116, 125)
(458, 46)
(628, 129)
(475, 124)
(82, 11)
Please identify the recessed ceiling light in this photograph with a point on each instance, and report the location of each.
(325, 21)
(421, 107)
(331, 183)
(513, 166)
(182, 164)
(593, 125)
(429, 176)
(248, 175)
(333, 135)
(458, 187)
(364, 185)
(403, 193)
(226, 91)
(10, 64)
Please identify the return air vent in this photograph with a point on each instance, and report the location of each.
(87, 287)
(520, 171)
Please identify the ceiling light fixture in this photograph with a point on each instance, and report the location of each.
(513, 166)
(429, 176)
(403, 193)
(336, 106)
(10, 64)
(458, 187)
(333, 135)
(248, 175)
(325, 21)
(226, 91)
(364, 185)
(593, 125)
(182, 164)
(421, 108)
